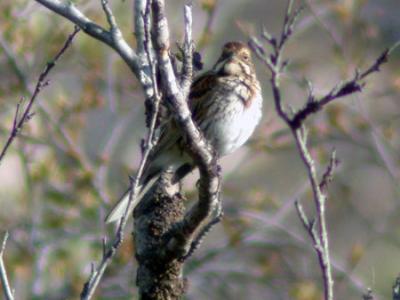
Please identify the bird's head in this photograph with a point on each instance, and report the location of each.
(235, 60)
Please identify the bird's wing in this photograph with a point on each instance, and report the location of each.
(170, 135)
(198, 96)
(168, 139)
(202, 84)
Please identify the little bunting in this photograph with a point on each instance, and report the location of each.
(226, 105)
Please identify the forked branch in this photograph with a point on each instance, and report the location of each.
(151, 64)
(22, 117)
(295, 120)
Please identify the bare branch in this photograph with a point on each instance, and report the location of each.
(295, 120)
(288, 24)
(145, 74)
(56, 130)
(151, 64)
(172, 92)
(302, 215)
(8, 293)
(187, 68)
(19, 122)
(153, 59)
(327, 177)
(317, 230)
(139, 12)
(149, 144)
(198, 147)
(383, 58)
(95, 276)
(197, 144)
(342, 89)
(115, 41)
(204, 231)
(272, 63)
(114, 29)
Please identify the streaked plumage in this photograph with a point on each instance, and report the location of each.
(226, 105)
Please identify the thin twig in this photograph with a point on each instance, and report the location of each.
(149, 144)
(56, 130)
(317, 229)
(8, 293)
(42, 82)
(110, 17)
(327, 177)
(350, 86)
(144, 67)
(276, 66)
(96, 275)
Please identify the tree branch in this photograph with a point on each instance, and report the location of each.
(114, 29)
(187, 68)
(317, 229)
(198, 147)
(97, 273)
(153, 59)
(112, 38)
(348, 87)
(20, 121)
(8, 293)
(145, 59)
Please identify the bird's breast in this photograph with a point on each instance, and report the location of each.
(236, 109)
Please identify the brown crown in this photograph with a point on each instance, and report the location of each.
(234, 46)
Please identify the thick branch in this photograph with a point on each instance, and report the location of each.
(187, 68)
(198, 147)
(153, 58)
(97, 273)
(145, 60)
(112, 38)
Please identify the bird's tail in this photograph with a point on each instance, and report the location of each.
(119, 209)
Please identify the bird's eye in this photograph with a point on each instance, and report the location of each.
(246, 57)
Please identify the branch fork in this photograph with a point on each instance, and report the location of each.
(295, 120)
(151, 63)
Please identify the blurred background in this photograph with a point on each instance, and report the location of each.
(72, 160)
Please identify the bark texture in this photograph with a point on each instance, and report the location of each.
(159, 275)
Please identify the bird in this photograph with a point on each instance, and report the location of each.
(226, 105)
